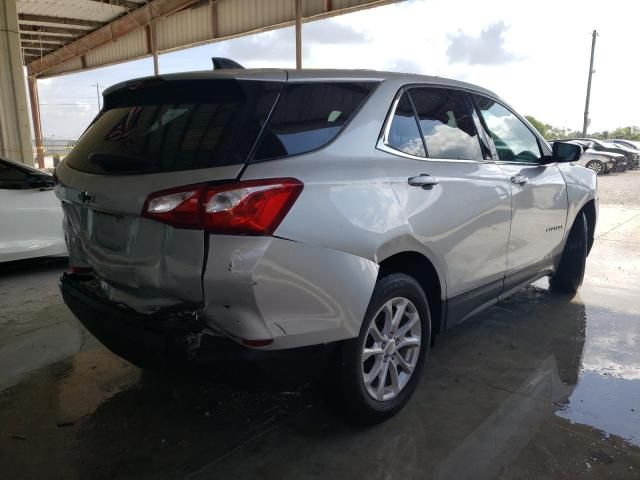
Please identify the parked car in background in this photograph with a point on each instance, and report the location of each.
(633, 146)
(622, 161)
(626, 143)
(355, 211)
(602, 146)
(600, 162)
(30, 214)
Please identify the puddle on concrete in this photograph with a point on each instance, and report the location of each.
(607, 396)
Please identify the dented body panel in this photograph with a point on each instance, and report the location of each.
(294, 293)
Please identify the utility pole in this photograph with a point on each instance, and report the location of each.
(98, 87)
(586, 106)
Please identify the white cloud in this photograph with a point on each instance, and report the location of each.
(485, 49)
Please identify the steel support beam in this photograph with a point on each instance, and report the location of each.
(37, 46)
(57, 31)
(298, 34)
(44, 38)
(152, 46)
(28, 19)
(35, 118)
(127, 5)
(15, 135)
(31, 42)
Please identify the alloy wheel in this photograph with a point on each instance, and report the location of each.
(391, 349)
(596, 167)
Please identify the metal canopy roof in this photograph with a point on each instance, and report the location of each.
(66, 36)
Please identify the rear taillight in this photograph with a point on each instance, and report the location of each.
(254, 207)
(180, 207)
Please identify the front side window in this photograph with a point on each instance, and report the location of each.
(309, 115)
(404, 134)
(513, 140)
(447, 124)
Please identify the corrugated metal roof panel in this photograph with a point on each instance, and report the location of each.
(78, 9)
(239, 16)
(132, 45)
(72, 65)
(191, 25)
(185, 27)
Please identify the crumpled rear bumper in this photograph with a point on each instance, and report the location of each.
(178, 337)
(143, 339)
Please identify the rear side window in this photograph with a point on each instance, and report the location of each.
(176, 126)
(446, 123)
(309, 115)
(404, 134)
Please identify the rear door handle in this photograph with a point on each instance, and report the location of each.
(423, 180)
(519, 179)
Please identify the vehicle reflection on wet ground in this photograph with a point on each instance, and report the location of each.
(539, 386)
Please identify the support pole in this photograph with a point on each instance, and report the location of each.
(154, 49)
(585, 124)
(152, 45)
(35, 117)
(15, 134)
(298, 34)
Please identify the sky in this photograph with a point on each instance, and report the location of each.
(535, 55)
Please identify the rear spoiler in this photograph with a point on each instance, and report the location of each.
(220, 63)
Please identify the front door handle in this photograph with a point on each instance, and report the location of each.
(423, 180)
(519, 179)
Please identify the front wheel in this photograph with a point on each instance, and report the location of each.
(597, 166)
(570, 273)
(381, 368)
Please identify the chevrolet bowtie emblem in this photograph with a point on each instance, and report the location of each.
(85, 197)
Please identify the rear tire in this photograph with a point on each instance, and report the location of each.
(381, 368)
(570, 273)
(597, 166)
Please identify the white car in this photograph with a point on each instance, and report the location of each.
(30, 214)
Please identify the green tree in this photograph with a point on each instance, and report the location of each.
(628, 133)
(551, 132)
(541, 127)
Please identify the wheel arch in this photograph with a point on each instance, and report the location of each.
(418, 266)
(590, 211)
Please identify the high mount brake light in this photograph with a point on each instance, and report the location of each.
(254, 207)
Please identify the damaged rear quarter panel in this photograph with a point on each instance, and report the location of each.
(297, 294)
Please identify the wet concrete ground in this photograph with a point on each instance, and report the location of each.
(540, 386)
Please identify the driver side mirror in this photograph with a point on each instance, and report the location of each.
(565, 152)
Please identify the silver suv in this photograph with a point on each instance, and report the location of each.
(280, 210)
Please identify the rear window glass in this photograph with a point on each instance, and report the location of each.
(403, 132)
(446, 123)
(309, 115)
(171, 127)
